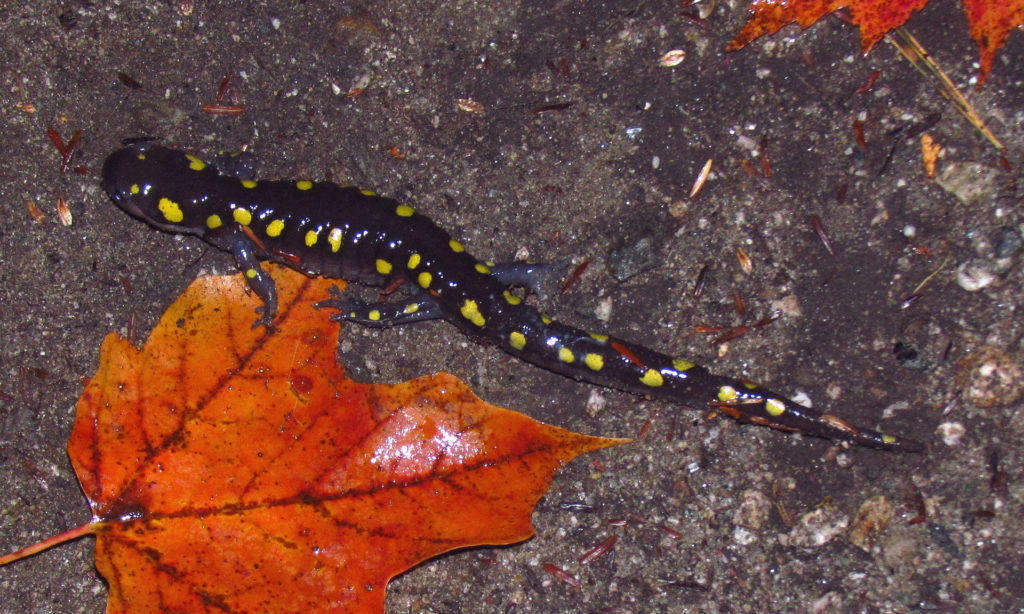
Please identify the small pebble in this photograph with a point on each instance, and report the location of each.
(951, 433)
(974, 275)
(871, 519)
(754, 510)
(990, 377)
(817, 527)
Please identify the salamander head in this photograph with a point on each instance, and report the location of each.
(145, 180)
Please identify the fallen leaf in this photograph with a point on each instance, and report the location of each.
(991, 21)
(229, 470)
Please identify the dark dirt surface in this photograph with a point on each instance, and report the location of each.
(722, 517)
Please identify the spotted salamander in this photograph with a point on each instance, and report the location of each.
(336, 231)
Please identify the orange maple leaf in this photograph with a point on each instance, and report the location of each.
(228, 470)
(991, 21)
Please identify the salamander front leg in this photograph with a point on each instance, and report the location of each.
(241, 165)
(260, 282)
(381, 315)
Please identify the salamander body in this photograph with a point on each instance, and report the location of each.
(336, 231)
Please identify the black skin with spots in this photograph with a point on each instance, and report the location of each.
(380, 241)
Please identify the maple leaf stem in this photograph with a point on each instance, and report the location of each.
(66, 536)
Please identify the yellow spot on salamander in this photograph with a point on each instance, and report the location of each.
(545, 319)
(142, 156)
(682, 365)
(334, 238)
(480, 268)
(383, 267)
(171, 210)
(411, 308)
(565, 355)
(195, 163)
(888, 439)
(404, 211)
(456, 246)
(135, 189)
(599, 337)
(274, 228)
(368, 192)
(311, 237)
(727, 394)
(517, 340)
(248, 183)
(424, 279)
(414, 261)
(594, 361)
(774, 407)
(512, 299)
(471, 311)
(652, 378)
(250, 273)
(374, 315)
(304, 185)
(214, 221)
(242, 216)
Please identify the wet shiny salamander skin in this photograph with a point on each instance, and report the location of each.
(335, 231)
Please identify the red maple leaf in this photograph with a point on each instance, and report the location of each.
(230, 471)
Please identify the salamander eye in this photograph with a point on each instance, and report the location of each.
(123, 193)
(132, 199)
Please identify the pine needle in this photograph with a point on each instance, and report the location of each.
(927, 66)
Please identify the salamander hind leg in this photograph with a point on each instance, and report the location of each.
(381, 315)
(240, 165)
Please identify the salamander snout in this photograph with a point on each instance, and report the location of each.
(119, 179)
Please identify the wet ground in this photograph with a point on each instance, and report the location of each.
(576, 144)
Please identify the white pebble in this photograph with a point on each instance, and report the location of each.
(973, 276)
